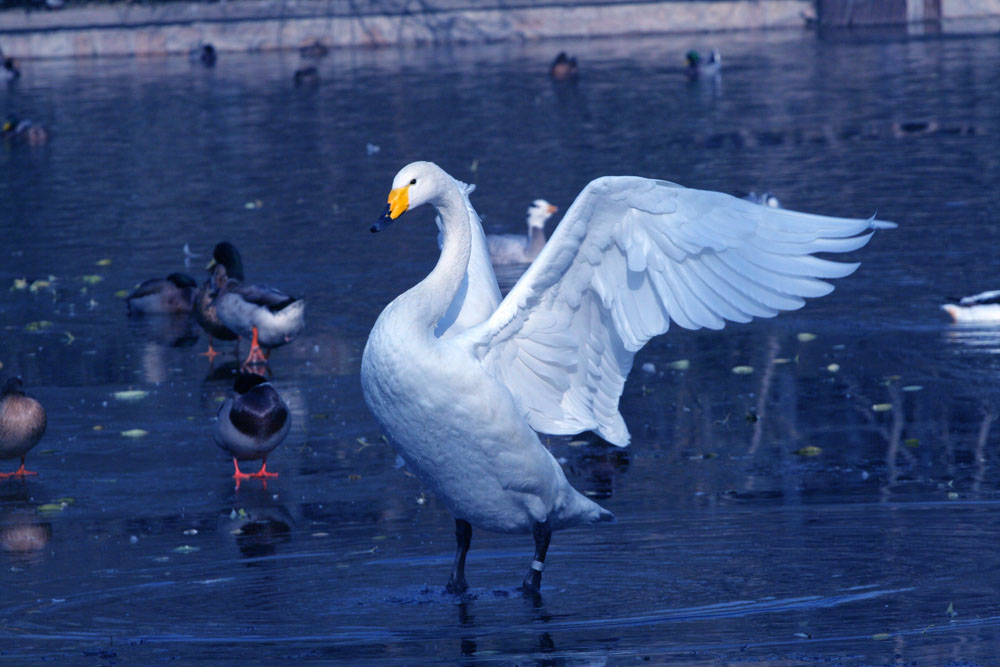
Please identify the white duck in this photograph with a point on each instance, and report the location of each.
(461, 382)
(983, 307)
(519, 248)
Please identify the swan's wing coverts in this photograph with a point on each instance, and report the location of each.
(630, 255)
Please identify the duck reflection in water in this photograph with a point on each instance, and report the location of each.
(257, 524)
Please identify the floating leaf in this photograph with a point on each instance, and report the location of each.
(97, 427)
(680, 365)
(780, 360)
(805, 336)
(35, 327)
(912, 442)
(39, 285)
(65, 501)
(186, 549)
(92, 279)
(882, 407)
(952, 495)
(743, 370)
(121, 294)
(809, 450)
(912, 387)
(104, 262)
(833, 368)
(135, 433)
(131, 395)
(52, 507)
(950, 611)
(69, 338)
(577, 443)
(881, 636)
(191, 531)
(20, 283)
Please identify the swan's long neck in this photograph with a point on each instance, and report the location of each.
(436, 292)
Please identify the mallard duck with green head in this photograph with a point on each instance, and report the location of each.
(251, 423)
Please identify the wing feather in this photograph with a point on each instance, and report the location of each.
(630, 256)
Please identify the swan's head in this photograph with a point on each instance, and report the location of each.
(417, 183)
(540, 211)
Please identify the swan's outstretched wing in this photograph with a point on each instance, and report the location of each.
(631, 255)
(479, 294)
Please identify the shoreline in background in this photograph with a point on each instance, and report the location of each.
(270, 25)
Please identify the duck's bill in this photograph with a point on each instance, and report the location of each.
(384, 220)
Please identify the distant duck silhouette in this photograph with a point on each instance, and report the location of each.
(316, 49)
(9, 70)
(226, 263)
(763, 198)
(696, 68)
(251, 423)
(522, 248)
(205, 54)
(306, 76)
(22, 423)
(563, 68)
(983, 308)
(16, 130)
(173, 294)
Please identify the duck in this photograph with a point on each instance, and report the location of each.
(170, 295)
(17, 130)
(306, 76)
(519, 248)
(204, 54)
(226, 263)
(563, 68)
(762, 198)
(978, 308)
(315, 49)
(265, 315)
(698, 69)
(252, 421)
(22, 424)
(461, 383)
(9, 69)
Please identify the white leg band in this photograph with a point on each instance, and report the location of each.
(537, 565)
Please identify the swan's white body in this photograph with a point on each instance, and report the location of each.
(522, 248)
(983, 307)
(461, 395)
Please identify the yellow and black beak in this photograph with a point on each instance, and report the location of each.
(399, 201)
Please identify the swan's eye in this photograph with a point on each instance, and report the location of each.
(413, 182)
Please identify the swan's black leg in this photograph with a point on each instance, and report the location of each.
(533, 580)
(463, 535)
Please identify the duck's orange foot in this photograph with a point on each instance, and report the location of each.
(20, 472)
(257, 356)
(211, 353)
(263, 471)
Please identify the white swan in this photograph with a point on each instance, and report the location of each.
(521, 248)
(460, 382)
